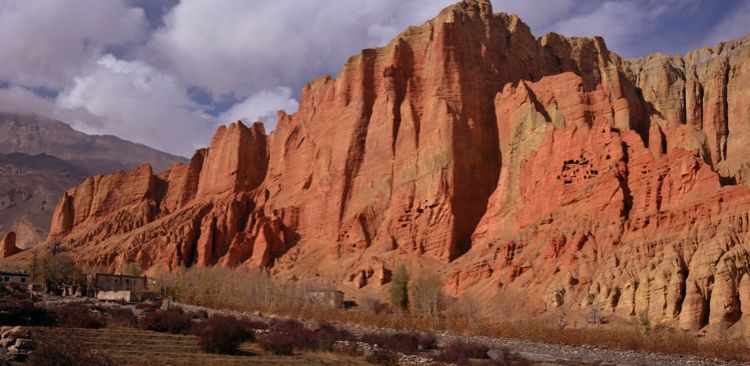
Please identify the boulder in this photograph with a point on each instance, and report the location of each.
(24, 343)
(20, 332)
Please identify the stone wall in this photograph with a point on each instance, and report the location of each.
(15, 343)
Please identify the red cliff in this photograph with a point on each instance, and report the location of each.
(544, 175)
(8, 245)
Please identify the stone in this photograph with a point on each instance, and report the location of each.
(20, 332)
(24, 343)
(497, 354)
(539, 175)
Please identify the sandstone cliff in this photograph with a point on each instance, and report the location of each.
(8, 245)
(40, 158)
(546, 175)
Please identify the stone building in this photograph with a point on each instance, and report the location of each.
(111, 282)
(20, 278)
(118, 287)
(333, 299)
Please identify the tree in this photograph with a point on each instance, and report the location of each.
(399, 291)
(35, 271)
(56, 270)
(62, 270)
(131, 269)
(426, 295)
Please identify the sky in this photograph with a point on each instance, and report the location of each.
(167, 73)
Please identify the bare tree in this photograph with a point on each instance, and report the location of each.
(465, 310)
(426, 294)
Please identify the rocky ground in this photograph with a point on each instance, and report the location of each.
(539, 353)
(556, 354)
(15, 343)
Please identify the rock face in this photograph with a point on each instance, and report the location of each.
(29, 188)
(33, 135)
(9, 245)
(41, 158)
(543, 175)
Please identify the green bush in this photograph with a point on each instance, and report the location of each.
(399, 291)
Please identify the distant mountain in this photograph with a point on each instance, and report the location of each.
(40, 158)
(33, 135)
(29, 189)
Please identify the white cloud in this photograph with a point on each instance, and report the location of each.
(45, 43)
(137, 102)
(262, 106)
(246, 46)
(247, 49)
(20, 100)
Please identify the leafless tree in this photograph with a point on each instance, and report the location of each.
(426, 294)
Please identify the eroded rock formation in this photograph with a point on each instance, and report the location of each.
(9, 245)
(545, 175)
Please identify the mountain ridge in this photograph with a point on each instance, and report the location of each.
(40, 158)
(35, 134)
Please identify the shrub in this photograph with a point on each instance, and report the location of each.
(169, 321)
(77, 316)
(221, 334)
(280, 325)
(460, 352)
(301, 338)
(64, 352)
(122, 318)
(383, 357)
(371, 304)
(399, 290)
(254, 324)
(349, 348)
(149, 304)
(408, 343)
(276, 343)
(298, 337)
(198, 314)
(21, 312)
(327, 335)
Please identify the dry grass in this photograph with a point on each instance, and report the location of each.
(663, 340)
(249, 291)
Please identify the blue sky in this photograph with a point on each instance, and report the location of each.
(167, 72)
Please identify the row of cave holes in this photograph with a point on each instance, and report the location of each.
(567, 176)
(405, 218)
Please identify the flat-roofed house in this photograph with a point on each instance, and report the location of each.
(118, 287)
(329, 298)
(20, 278)
(112, 282)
